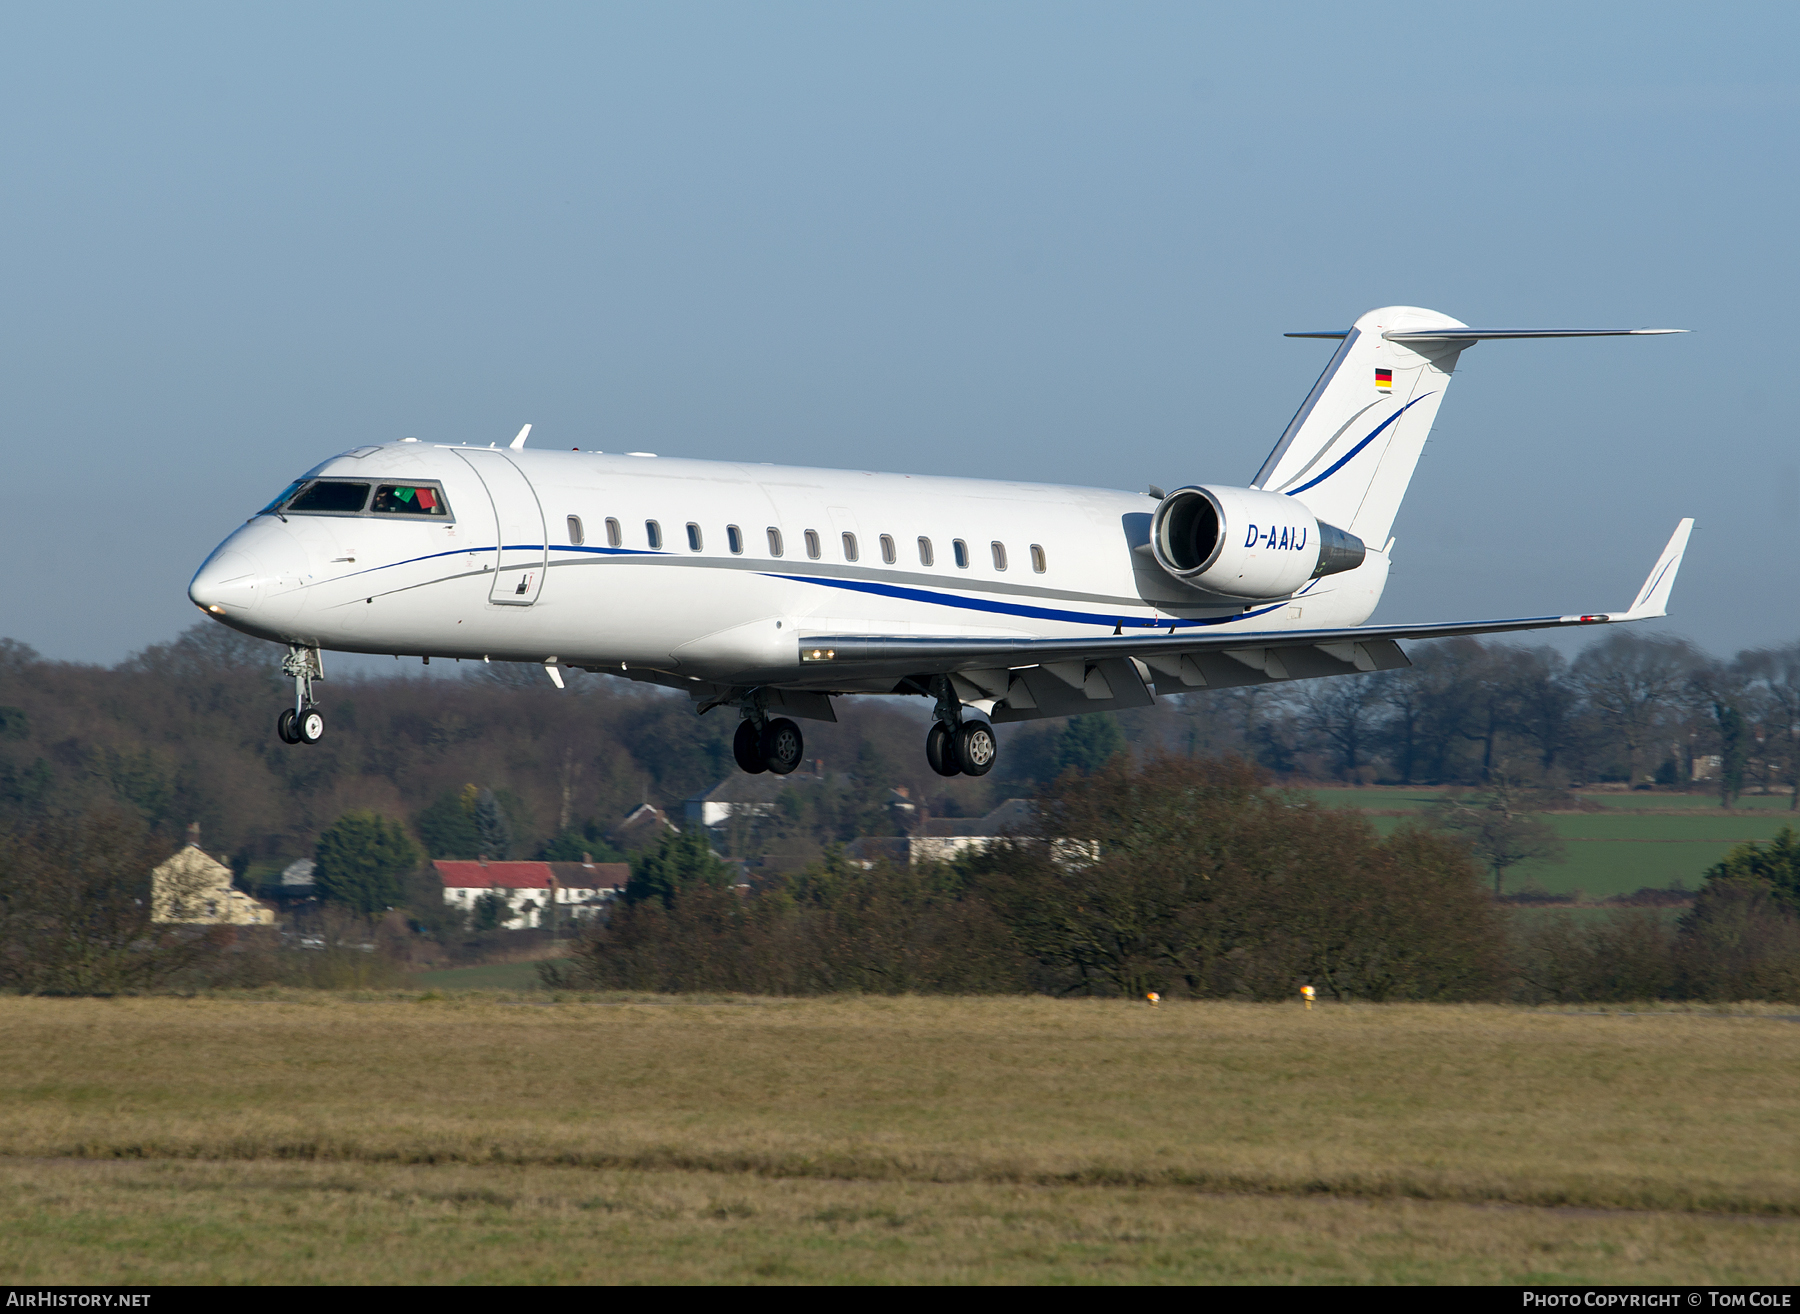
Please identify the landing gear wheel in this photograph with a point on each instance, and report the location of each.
(284, 726)
(938, 751)
(782, 745)
(976, 748)
(310, 725)
(746, 747)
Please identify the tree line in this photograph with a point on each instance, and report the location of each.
(500, 763)
(1632, 708)
(1188, 877)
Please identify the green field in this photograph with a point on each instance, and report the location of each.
(1388, 798)
(1613, 852)
(406, 1138)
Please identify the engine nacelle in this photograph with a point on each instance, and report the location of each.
(1245, 543)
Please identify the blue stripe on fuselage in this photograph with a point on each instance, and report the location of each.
(1015, 609)
(885, 590)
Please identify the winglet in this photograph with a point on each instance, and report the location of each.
(1653, 598)
(519, 442)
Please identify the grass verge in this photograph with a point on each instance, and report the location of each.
(1090, 1117)
(153, 1223)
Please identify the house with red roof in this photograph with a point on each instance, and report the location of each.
(577, 890)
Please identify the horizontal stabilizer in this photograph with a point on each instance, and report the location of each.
(1479, 334)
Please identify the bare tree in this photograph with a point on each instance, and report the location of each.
(1773, 674)
(1406, 696)
(1633, 683)
(1541, 701)
(1500, 827)
(1341, 713)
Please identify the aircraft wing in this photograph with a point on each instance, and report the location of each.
(1191, 658)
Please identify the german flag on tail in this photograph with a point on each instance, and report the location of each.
(1384, 379)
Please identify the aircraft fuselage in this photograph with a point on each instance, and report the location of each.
(719, 569)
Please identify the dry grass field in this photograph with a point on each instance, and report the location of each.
(487, 1139)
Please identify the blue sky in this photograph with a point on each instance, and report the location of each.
(1053, 241)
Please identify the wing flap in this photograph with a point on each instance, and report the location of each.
(909, 653)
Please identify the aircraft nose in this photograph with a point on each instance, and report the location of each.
(247, 569)
(228, 580)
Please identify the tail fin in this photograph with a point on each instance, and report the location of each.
(1349, 452)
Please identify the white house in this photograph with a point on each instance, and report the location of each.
(739, 795)
(578, 889)
(939, 839)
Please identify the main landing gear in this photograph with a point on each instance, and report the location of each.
(955, 746)
(303, 723)
(768, 744)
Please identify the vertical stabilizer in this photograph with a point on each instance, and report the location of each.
(1350, 451)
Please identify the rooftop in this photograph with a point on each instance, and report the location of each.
(532, 875)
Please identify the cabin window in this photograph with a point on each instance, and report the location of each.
(410, 500)
(614, 535)
(1037, 559)
(774, 541)
(734, 539)
(925, 557)
(849, 546)
(887, 549)
(327, 495)
(694, 541)
(653, 533)
(812, 544)
(960, 550)
(999, 556)
(576, 537)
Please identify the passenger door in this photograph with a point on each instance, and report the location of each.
(523, 550)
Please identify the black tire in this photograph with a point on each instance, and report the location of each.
(284, 726)
(746, 747)
(976, 748)
(782, 745)
(309, 726)
(938, 751)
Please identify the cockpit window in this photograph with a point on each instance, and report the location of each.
(409, 500)
(337, 495)
(285, 493)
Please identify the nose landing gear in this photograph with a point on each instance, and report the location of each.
(303, 723)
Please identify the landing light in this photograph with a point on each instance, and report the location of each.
(821, 654)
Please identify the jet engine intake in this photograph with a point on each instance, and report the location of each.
(1246, 543)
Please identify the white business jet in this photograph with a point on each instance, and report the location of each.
(770, 589)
